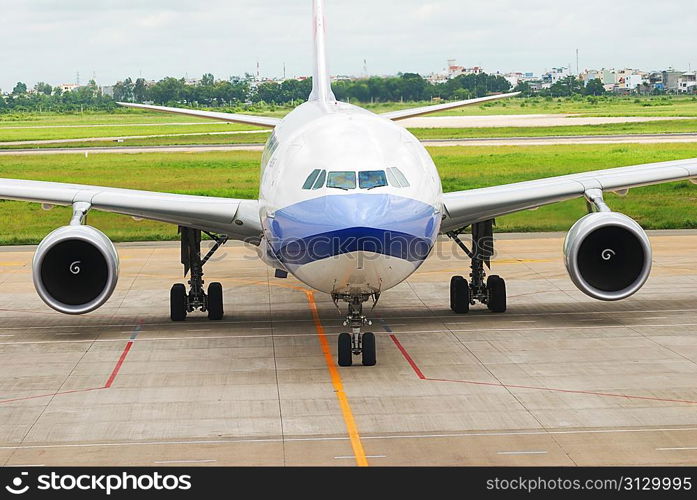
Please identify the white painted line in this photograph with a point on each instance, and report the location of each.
(406, 332)
(6, 335)
(541, 452)
(185, 461)
(344, 438)
(678, 449)
(525, 321)
(262, 328)
(449, 316)
(25, 465)
(351, 457)
(201, 330)
(543, 328)
(69, 333)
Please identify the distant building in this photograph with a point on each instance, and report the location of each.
(69, 87)
(688, 82)
(671, 80)
(107, 91)
(553, 76)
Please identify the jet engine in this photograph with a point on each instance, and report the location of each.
(75, 269)
(607, 255)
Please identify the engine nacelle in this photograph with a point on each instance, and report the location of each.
(75, 269)
(607, 255)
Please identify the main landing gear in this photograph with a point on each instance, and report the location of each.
(356, 343)
(491, 292)
(182, 302)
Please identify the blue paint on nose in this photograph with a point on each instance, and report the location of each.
(333, 225)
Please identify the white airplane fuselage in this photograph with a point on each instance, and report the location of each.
(355, 239)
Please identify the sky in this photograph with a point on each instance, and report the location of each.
(51, 40)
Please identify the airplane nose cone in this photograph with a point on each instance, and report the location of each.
(328, 229)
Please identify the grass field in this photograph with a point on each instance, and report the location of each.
(82, 132)
(602, 106)
(663, 127)
(236, 174)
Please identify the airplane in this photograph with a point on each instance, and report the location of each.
(351, 204)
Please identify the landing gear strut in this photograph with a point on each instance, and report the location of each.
(491, 291)
(183, 302)
(356, 343)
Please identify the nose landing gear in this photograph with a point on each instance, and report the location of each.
(356, 343)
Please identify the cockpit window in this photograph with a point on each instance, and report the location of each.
(371, 179)
(346, 180)
(320, 180)
(311, 179)
(341, 180)
(396, 178)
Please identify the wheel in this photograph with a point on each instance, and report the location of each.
(177, 302)
(345, 352)
(215, 301)
(496, 289)
(459, 295)
(368, 349)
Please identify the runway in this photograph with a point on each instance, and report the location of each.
(486, 141)
(560, 379)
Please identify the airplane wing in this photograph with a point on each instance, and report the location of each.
(426, 110)
(463, 208)
(259, 121)
(238, 219)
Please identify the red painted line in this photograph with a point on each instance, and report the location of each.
(119, 363)
(108, 384)
(420, 374)
(51, 394)
(411, 362)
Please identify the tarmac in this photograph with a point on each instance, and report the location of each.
(559, 379)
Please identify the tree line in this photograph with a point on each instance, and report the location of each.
(237, 92)
(209, 92)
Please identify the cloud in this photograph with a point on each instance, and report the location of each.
(49, 40)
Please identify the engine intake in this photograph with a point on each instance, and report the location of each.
(607, 255)
(75, 269)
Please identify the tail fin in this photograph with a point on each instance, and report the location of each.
(321, 82)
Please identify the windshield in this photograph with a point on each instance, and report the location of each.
(371, 179)
(341, 180)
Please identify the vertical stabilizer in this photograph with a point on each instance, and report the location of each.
(321, 82)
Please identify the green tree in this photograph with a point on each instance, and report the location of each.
(139, 90)
(523, 88)
(43, 88)
(208, 80)
(567, 87)
(20, 89)
(594, 87)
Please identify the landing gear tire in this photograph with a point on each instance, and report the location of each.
(496, 290)
(368, 349)
(177, 302)
(459, 295)
(215, 302)
(345, 351)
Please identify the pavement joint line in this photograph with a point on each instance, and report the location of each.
(347, 457)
